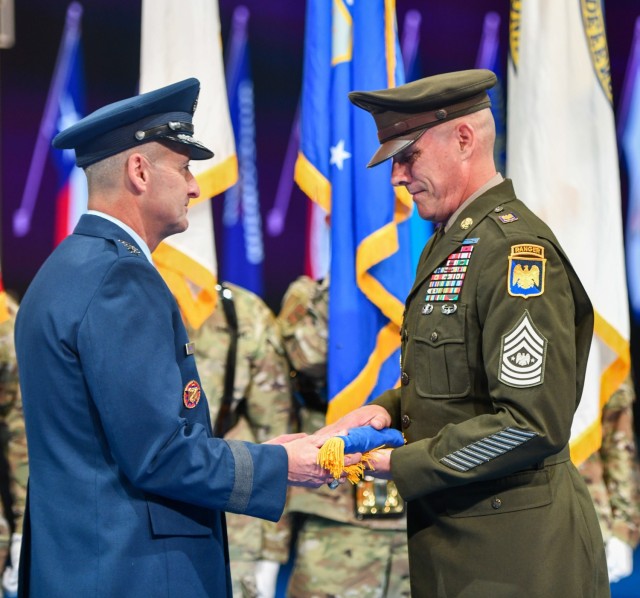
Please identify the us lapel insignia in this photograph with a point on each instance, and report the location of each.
(191, 394)
(466, 223)
(526, 271)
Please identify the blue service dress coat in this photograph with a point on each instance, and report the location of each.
(127, 485)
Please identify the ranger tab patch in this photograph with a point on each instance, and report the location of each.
(526, 270)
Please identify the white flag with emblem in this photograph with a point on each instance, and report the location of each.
(179, 41)
(563, 159)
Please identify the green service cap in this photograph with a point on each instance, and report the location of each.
(403, 113)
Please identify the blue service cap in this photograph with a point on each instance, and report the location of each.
(162, 114)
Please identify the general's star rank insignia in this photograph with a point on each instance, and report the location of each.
(526, 271)
(132, 248)
(191, 394)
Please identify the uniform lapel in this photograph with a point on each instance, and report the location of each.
(436, 252)
(95, 226)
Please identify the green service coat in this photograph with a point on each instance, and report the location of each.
(493, 366)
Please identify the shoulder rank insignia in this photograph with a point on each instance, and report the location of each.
(522, 355)
(132, 248)
(191, 394)
(506, 218)
(446, 281)
(526, 271)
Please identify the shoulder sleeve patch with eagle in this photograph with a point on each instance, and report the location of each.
(526, 271)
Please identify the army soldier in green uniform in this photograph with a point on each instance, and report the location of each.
(351, 539)
(495, 339)
(245, 376)
(14, 448)
(611, 474)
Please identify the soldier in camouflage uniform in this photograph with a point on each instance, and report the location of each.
(14, 448)
(337, 552)
(262, 404)
(612, 478)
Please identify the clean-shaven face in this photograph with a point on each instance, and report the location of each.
(430, 170)
(173, 187)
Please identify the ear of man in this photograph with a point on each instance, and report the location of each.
(466, 139)
(138, 171)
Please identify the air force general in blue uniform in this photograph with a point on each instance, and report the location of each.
(128, 486)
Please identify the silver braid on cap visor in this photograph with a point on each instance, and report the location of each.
(168, 129)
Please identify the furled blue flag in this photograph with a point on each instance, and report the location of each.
(489, 58)
(629, 135)
(242, 239)
(353, 46)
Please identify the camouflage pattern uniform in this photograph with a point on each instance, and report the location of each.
(611, 473)
(262, 378)
(12, 434)
(337, 554)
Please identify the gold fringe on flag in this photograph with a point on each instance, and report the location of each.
(331, 457)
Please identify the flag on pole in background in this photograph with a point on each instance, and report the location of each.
(420, 229)
(180, 41)
(353, 46)
(489, 58)
(242, 239)
(562, 156)
(64, 106)
(629, 135)
(72, 195)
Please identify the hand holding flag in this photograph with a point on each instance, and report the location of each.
(365, 440)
